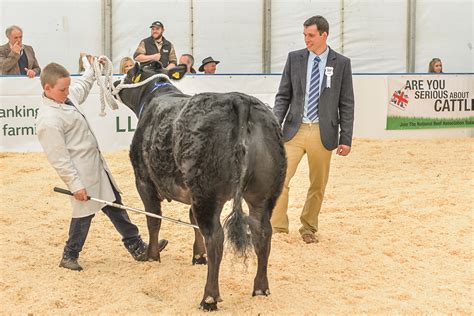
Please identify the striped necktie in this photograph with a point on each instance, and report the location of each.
(313, 95)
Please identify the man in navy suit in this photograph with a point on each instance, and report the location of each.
(315, 105)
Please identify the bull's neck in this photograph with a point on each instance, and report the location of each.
(155, 88)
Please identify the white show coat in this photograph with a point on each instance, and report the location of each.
(72, 149)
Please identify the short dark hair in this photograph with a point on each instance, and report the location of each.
(320, 22)
(190, 57)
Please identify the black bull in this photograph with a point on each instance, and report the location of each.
(205, 150)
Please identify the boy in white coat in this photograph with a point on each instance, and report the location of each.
(73, 151)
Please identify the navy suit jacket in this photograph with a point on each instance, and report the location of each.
(336, 104)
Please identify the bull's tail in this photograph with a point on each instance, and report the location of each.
(237, 222)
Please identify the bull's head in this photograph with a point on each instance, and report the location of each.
(132, 97)
(142, 71)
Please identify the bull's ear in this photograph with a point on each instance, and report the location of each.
(134, 73)
(136, 68)
(177, 72)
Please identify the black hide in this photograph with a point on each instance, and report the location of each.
(204, 150)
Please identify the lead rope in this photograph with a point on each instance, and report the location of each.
(108, 93)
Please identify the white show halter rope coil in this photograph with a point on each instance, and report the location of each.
(105, 82)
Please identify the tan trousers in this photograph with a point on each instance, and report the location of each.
(306, 141)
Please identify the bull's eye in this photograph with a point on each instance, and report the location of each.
(136, 78)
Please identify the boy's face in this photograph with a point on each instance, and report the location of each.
(60, 91)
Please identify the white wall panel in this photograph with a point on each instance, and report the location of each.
(231, 32)
(445, 29)
(287, 26)
(57, 30)
(375, 35)
(374, 31)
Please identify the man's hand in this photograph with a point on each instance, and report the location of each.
(343, 150)
(157, 56)
(30, 73)
(81, 195)
(16, 47)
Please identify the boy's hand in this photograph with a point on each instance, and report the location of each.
(81, 195)
(102, 60)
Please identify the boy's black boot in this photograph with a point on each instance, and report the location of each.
(70, 264)
(137, 249)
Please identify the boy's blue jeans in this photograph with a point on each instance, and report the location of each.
(80, 227)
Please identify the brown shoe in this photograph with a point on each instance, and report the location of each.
(309, 238)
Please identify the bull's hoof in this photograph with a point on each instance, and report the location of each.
(261, 292)
(208, 307)
(200, 259)
(154, 255)
(210, 303)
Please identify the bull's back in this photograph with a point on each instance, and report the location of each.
(206, 138)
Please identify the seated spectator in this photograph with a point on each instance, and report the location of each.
(188, 60)
(156, 47)
(16, 58)
(85, 62)
(126, 64)
(209, 65)
(435, 66)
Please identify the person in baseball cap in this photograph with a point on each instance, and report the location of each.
(157, 24)
(208, 65)
(156, 47)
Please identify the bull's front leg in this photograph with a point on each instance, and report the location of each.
(199, 249)
(208, 217)
(153, 205)
(154, 225)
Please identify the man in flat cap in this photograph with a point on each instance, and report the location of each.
(156, 47)
(209, 65)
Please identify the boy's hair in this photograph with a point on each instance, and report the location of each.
(51, 73)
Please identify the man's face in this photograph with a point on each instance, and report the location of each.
(60, 91)
(210, 68)
(185, 60)
(16, 36)
(156, 32)
(314, 41)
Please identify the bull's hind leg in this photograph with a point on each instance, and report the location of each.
(207, 214)
(199, 249)
(261, 230)
(153, 205)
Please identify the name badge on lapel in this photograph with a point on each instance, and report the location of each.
(329, 73)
